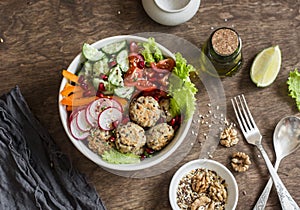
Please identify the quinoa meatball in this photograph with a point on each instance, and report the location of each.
(130, 137)
(98, 141)
(159, 136)
(145, 111)
(165, 107)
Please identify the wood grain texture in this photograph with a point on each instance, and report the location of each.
(41, 37)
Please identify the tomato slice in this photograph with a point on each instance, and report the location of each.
(132, 76)
(164, 65)
(145, 85)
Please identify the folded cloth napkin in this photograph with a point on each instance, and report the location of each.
(34, 173)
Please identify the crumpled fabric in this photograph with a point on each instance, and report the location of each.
(34, 173)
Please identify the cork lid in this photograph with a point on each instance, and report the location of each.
(225, 41)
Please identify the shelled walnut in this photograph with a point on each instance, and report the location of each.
(240, 162)
(200, 182)
(203, 201)
(228, 137)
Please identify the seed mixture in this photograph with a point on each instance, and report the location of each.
(202, 189)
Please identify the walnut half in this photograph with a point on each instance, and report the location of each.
(240, 162)
(228, 137)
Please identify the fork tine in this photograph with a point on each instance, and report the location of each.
(251, 122)
(239, 115)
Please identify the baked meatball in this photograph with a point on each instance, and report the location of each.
(144, 111)
(165, 107)
(97, 141)
(159, 136)
(130, 137)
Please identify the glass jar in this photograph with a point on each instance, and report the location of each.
(224, 50)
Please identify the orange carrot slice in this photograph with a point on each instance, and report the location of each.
(70, 76)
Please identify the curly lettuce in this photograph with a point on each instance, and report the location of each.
(182, 89)
(115, 157)
(151, 52)
(294, 86)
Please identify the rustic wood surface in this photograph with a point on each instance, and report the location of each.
(39, 38)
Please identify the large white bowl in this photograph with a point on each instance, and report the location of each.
(220, 169)
(148, 162)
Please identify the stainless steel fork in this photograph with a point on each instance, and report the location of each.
(253, 136)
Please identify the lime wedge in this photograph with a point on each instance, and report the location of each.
(91, 53)
(266, 66)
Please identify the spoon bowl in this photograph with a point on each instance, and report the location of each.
(286, 137)
(286, 140)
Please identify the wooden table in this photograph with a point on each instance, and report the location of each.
(40, 38)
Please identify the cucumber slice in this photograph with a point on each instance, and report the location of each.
(88, 68)
(124, 92)
(101, 67)
(91, 53)
(122, 60)
(114, 48)
(115, 76)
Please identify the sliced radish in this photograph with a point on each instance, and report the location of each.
(81, 120)
(109, 118)
(116, 104)
(89, 118)
(76, 132)
(97, 106)
(74, 113)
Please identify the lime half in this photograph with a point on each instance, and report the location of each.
(266, 66)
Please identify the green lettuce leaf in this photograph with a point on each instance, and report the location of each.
(294, 86)
(151, 52)
(115, 157)
(182, 89)
(182, 69)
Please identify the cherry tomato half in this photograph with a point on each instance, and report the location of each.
(132, 76)
(164, 65)
(145, 85)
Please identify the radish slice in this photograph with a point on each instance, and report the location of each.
(76, 132)
(109, 118)
(74, 113)
(97, 106)
(116, 104)
(89, 118)
(81, 120)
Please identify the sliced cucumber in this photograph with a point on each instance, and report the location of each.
(109, 88)
(122, 60)
(88, 68)
(114, 48)
(101, 67)
(91, 53)
(115, 76)
(124, 92)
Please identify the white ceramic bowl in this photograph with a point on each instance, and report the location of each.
(220, 169)
(171, 12)
(148, 162)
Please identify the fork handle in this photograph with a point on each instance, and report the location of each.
(286, 200)
(263, 198)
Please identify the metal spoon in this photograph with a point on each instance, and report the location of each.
(286, 139)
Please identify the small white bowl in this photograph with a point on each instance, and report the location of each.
(80, 145)
(220, 169)
(171, 12)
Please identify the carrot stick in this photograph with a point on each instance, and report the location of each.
(83, 101)
(68, 89)
(72, 101)
(70, 76)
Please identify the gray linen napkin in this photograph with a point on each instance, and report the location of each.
(34, 173)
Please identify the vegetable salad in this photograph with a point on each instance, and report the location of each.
(114, 84)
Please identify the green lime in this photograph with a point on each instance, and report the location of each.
(266, 66)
